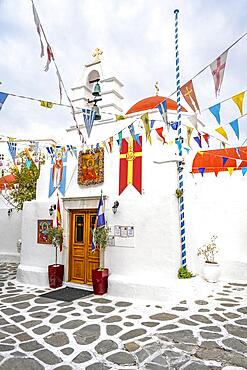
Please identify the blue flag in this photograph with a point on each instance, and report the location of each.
(215, 110)
(3, 97)
(163, 110)
(100, 219)
(234, 126)
(89, 116)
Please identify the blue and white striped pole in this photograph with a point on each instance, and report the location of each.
(180, 164)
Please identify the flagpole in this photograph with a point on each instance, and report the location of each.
(179, 143)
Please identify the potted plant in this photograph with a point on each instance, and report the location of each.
(211, 269)
(55, 271)
(100, 275)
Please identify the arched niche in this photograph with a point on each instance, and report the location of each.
(93, 75)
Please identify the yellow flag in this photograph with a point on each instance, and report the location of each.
(230, 170)
(189, 132)
(222, 132)
(238, 99)
(145, 121)
(119, 117)
(46, 104)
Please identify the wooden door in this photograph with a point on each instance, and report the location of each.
(82, 260)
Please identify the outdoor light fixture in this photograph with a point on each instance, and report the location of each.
(10, 210)
(52, 209)
(115, 206)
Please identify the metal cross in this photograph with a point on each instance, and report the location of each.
(97, 53)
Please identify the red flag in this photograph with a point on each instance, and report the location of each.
(160, 133)
(130, 168)
(59, 222)
(189, 95)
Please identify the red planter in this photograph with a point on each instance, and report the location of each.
(100, 281)
(55, 274)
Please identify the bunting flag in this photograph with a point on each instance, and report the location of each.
(74, 149)
(162, 107)
(215, 110)
(120, 138)
(59, 221)
(100, 220)
(130, 167)
(38, 27)
(110, 143)
(46, 104)
(198, 139)
(195, 121)
(189, 133)
(12, 149)
(3, 97)
(145, 121)
(230, 170)
(174, 125)
(217, 70)
(244, 170)
(58, 173)
(137, 138)
(119, 117)
(132, 131)
(238, 100)
(152, 123)
(235, 127)
(106, 147)
(201, 170)
(237, 151)
(225, 159)
(50, 57)
(89, 117)
(238, 162)
(222, 132)
(179, 144)
(189, 95)
(160, 133)
(206, 138)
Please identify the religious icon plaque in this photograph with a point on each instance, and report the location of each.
(42, 231)
(91, 167)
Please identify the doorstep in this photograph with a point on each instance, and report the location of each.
(78, 286)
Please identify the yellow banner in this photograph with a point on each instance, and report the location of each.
(238, 100)
(46, 104)
(145, 121)
(222, 132)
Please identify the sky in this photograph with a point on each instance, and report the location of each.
(137, 38)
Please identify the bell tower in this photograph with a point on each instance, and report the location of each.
(91, 82)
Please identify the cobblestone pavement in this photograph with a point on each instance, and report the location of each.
(98, 333)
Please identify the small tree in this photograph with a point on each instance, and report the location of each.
(208, 251)
(55, 236)
(26, 180)
(100, 236)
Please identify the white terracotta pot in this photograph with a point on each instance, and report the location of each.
(211, 272)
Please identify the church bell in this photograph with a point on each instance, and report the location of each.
(97, 112)
(96, 90)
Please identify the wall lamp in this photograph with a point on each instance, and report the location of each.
(52, 209)
(115, 206)
(10, 210)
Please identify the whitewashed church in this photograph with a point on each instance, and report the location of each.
(144, 251)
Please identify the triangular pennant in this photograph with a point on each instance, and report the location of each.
(106, 147)
(162, 107)
(201, 170)
(235, 127)
(230, 170)
(152, 123)
(189, 95)
(189, 133)
(110, 143)
(132, 131)
(225, 159)
(119, 117)
(145, 121)
(179, 145)
(89, 117)
(238, 162)
(238, 100)
(3, 97)
(12, 149)
(222, 132)
(217, 70)
(187, 150)
(174, 125)
(120, 138)
(195, 121)
(206, 138)
(160, 133)
(137, 139)
(215, 110)
(216, 171)
(198, 140)
(46, 104)
(237, 151)
(50, 57)
(244, 170)
(223, 144)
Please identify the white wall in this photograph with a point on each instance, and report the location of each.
(10, 231)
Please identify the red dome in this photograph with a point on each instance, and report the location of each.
(152, 102)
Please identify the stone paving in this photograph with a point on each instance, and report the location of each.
(100, 333)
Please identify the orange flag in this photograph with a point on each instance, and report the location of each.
(189, 95)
